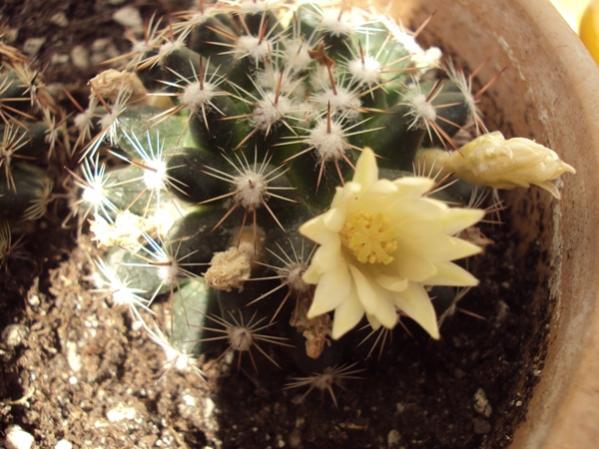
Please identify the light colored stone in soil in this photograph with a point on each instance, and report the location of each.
(73, 358)
(121, 413)
(17, 438)
(33, 45)
(13, 335)
(100, 44)
(64, 444)
(481, 403)
(393, 438)
(128, 16)
(295, 439)
(59, 19)
(208, 408)
(10, 35)
(60, 58)
(80, 56)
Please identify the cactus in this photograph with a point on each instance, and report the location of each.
(30, 130)
(222, 155)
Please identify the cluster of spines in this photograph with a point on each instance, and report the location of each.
(249, 114)
(32, 128)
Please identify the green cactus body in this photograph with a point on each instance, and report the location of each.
(268, 109)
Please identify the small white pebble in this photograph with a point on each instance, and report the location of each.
(32, 46)
(64, 444)
(393, 437)
(128, 16)
(73, 359)
(189, 400)
(17, 438)
(34, 300)
(120, 413)
(209, 407)
(59, 58)
(481, 403)
(80, 57)
(13, 335)
(59, 19)
(73, 380)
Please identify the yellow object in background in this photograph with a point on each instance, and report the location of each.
(589, 29)
(571, 10)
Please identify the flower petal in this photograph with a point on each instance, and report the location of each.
(392, 283)
(334, 219)
(374, 323)
(375, 300)
(414, 186)
(415, 303)
(443, 248)
(312, 274)
(451, 275)
(413, 266)
(316, 230)
(460, 218)
(347, 315)
(367, 171)
(325, 258)
(332, 289)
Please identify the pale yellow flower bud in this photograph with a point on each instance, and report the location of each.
(491, 160)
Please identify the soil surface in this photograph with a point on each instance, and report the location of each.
(80, 370)
(84, 373)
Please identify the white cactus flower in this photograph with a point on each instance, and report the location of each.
(494, 161)
(382, 243)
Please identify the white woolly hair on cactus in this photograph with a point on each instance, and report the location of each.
(151, 161)
(338, 92)
(289, 267)
(136, 58)
(245, 7)
(258, 48)
(279, 77)
(325, 381)
(296, 54)
(329, 139)
(252, 184)
(94, 184)
(471, 99)
(424, 114)
(13, 139)
(197, 94)
(244, 334)
(109, 122)
(122, 293)
(175, 358)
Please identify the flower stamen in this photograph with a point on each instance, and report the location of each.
(369, 237)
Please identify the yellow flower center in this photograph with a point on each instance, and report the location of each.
(369, 237)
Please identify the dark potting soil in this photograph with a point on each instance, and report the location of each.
(85, 373)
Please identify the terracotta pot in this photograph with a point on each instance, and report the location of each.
(549, 92)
